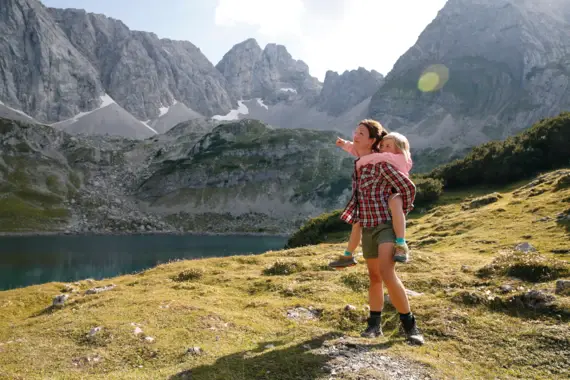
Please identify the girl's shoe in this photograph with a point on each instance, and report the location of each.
(343, 262)
(401, 253)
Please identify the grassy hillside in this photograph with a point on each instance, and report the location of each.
(486, 310)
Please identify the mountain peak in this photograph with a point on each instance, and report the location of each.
(344, 91)
(256, 73)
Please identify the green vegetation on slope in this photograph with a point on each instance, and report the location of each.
(487, 311)
(33, 185)
(544, 146)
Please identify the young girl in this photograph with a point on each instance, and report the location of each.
(395, 150)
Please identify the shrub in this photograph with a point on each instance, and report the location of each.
(428, 190)
(189, 275)
(280, 268)
(315, 230)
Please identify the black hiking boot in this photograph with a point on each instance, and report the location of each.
(413, 334)
(374, 328)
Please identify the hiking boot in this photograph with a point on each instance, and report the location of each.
(373, 330)
(343, 262)
(413, 334)
(401, 253)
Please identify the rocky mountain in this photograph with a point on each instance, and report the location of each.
(278, 90)
(342, 92)
(270, 74)
(42, 73)
(57, 64)
(488, 69)
(142, 72)
(201, 176)
(481, 70)
(253, 174)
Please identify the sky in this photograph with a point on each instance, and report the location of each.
(333, 35)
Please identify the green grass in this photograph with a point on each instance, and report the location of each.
(17, 214)
(234, 307)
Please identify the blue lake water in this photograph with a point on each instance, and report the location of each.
(29, 260)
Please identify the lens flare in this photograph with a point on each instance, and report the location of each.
(433, 78)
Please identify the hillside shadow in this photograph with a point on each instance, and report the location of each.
(46, 311)
(565, 224)
(296, 362)
(553, 312)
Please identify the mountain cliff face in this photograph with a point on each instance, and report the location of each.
(502, 65)
(343, 92)
(142, 72)
(269, 74)
(41, 72)
(57, 64)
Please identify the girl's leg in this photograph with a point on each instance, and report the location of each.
(348, 259)
(396, 205)
(354, 240)
(398, 219)
(397, 292)
(375, 299)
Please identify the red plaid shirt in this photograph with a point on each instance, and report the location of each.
(370, 192)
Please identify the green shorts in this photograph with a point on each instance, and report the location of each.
(372, 237)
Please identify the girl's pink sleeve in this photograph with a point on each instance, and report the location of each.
(349, 147)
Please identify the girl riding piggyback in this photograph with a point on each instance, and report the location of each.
(395, 150)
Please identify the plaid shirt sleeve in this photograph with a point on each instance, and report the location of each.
(400, 182)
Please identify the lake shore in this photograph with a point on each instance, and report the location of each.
(149, 233)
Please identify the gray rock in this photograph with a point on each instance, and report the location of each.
(302, 313)
(563, 287)
(506, 288)
(100, 289)
(94, 331)
(59, 300)
(525, 247)
(355, 360)
(194, 351)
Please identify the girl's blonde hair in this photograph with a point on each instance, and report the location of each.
(401, 143)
